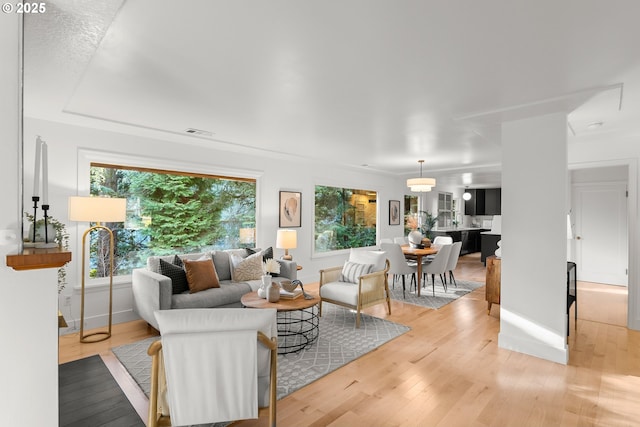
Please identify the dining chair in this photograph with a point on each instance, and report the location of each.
(442, 240)
(437, 266)
(437, 242)
(399, 265)
(453, 262)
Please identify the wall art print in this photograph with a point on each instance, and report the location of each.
(394, 212)
(290, 209)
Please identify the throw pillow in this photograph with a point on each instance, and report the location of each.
(249, 268)
(266, 253)
(177, 261)
(364, 256)
(201, 275)
(351, 271)
(177, 275)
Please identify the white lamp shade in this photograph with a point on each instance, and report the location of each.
(97, 209)
(287, 239)
(421, 184)
(466, 195)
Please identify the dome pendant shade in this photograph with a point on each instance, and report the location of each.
(466, 195)
(421, 184)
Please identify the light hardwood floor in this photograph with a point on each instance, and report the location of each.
(449, 371)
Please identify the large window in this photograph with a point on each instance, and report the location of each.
(344, 218)
(169, 212)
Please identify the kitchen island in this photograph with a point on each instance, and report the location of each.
(469, 236)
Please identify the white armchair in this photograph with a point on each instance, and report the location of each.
(358, 291)
(213, 365)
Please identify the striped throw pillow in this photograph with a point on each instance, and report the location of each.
(351, 271)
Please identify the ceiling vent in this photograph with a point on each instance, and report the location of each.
(199, 132)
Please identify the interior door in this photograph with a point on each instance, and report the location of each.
(601, 239)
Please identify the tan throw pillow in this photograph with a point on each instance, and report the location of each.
(249, 268)
(201, 275)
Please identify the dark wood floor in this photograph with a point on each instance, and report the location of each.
(89, 396)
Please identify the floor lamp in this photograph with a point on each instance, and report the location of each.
(97, 210)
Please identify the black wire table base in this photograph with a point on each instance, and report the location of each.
(297, 329)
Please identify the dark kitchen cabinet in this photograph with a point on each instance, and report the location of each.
(492, 201)
(484, 201)
(489, 244)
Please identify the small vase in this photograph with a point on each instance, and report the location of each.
(273, 292)
(266, 282)
(415, 238)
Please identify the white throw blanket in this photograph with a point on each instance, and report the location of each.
(212, 362)
(211, 376)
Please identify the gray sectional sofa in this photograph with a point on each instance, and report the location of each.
(153, 291)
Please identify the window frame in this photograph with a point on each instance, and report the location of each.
(317, 254)
(88, 158)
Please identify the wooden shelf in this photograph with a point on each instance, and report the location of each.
(34, 258)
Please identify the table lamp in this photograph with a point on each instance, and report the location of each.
(287, 239)
(97, 210)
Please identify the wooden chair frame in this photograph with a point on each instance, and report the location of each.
(156, 417)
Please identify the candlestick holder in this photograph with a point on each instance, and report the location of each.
(32, 235)
(46, 244)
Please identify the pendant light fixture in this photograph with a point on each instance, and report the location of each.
(466, 195)
(421, 184)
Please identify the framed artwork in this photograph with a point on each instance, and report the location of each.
(290, 207)
(394, 212)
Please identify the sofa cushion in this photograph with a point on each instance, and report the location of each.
(201, 275)
(351, 271)
(227, 294)
(340, 291)
(249, 268)
(222, 264)
(177, 275)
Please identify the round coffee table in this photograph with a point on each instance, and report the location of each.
(297, 320)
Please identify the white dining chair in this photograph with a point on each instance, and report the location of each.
(442, 240)
(437, 266)
(453, 262)
(399, 265)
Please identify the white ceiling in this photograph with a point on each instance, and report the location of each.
(358, 82)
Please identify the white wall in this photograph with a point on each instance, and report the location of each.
(28, 309)
(534, 243)
(68, 176)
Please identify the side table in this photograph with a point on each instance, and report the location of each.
(492, 283)
(298, 322)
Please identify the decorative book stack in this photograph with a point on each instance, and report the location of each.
(290, 295)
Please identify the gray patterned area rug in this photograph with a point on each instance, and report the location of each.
(338, 343)
(426, 298)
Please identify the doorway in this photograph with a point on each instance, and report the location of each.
(601, 241)
(601, 237)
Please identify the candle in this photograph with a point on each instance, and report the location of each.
(45, 175)
(36, 172)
